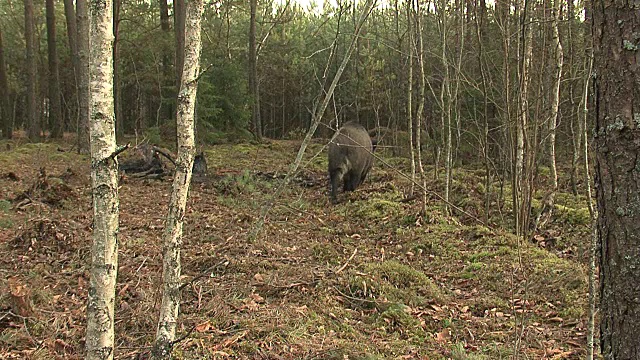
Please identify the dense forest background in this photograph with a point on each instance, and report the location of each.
(472, 57)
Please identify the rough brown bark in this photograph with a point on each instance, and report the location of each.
(617, 131)
(33, 123)
(5, 105)
(82, 16)
(56, 120)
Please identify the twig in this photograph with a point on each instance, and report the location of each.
(181, 338)
(354, 298)
(164, 152)
(202, 274)
(119, 150)
(355, 251)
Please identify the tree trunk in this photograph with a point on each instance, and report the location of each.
(168, 95)
(172, 237)
(253, 73)
(556, 75)
(422, 99)
(410, 52)
(33, 124)
(178, 25)
(56, 121)
(104, 178)
(72, 36)
(617, 95)
(82, 15)
(117, 93)
(5, 104)
(520, 189)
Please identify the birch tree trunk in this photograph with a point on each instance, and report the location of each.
(548, 203)
(422, 98)
(104, 179)
(410, 52)
(593, 244)
(172, 238)
(520, 191)
(555, 101)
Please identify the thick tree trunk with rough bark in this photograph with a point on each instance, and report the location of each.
(33, 121)
(104, 179)
(5, 105)
(56, 120)
(617, 131)
(82, 16)
(172, 238)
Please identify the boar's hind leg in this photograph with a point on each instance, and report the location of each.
(336, 178)
(351, 182)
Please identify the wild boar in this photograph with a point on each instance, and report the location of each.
(350, 157)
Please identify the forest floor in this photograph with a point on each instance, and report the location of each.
(369, 278)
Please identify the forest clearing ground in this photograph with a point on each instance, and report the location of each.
(369, 278)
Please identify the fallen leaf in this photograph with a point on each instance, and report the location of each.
(443, 336)
(203, 327)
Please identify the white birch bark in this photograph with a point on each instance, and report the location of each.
(172, 239)
(593, 244)
(555, 100)
(556, 75)
(422, 99)
(520, 208)
(104, 179)
(410, 52)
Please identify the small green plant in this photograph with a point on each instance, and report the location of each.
(5, 206)
(237, 184)
(6, 223)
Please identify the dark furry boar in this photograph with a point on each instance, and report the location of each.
(350, 157)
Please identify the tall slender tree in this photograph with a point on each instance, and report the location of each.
(253, 71)
(117, 92)
(179, 14)
(5, 105)
(82, 21)
(167, 96)
(172, 238)
(72, 37)
(56, 120)
(104, 179)
(33, 123)
(617, 130)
